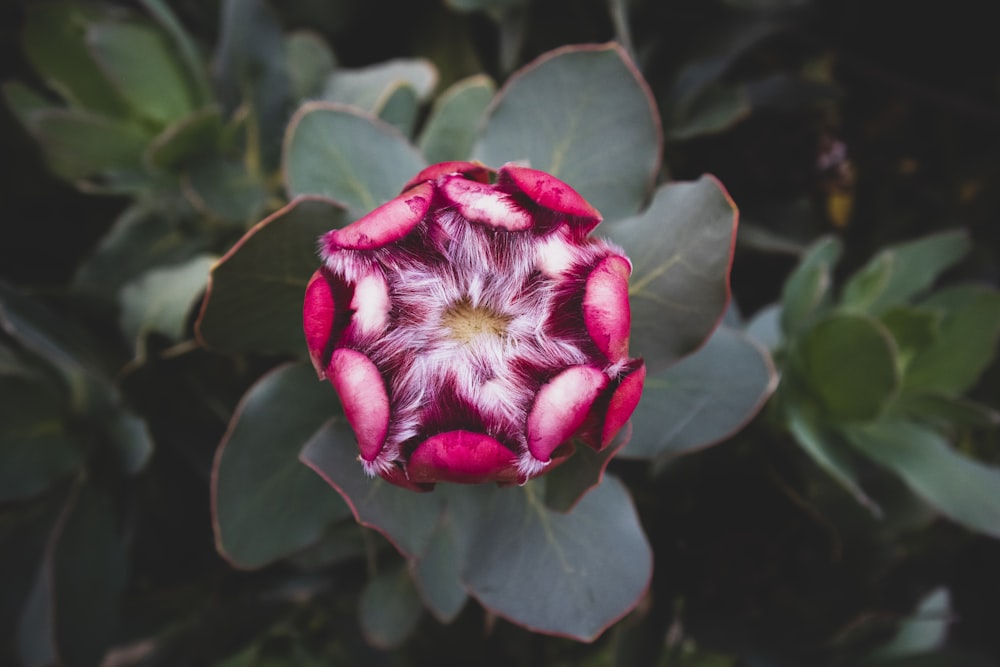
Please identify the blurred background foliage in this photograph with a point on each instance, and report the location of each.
(144, 138)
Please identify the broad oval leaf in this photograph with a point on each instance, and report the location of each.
(436, 572)
(310, 62)
(390, 609)
(704, 398)
(681, 249)
(254, 298)
(335, 151)
(960, 488)
(455, 118)
(808, 291)
(368, 87)
(405, 518)
(585, 115)
(265, 503)
(567, 574)
(849, 364)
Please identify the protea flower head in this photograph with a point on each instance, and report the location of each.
(473, 329)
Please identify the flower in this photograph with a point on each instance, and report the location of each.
(472, 328)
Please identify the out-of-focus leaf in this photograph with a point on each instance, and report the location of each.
(808, 290)
(899, 273)
(23, 101)
(718, 109)
(945, 411)
(131, 439)
(584, 115)
(161, 300)
(139, 60)
(703, 398)
(226, 189)
(251, 65)
(484, 5)
(450, 132)
(35, 447)
(310, 62)
(54, 40)
(367, 88)
(266, 504)
(849, 364)
(390, 609)
(553, 572)
(192, 136)
(187, 50)
(254, 299)
(965, 343)
(911, 328)
(827, 450)
(400, 108)
(922, 632)
(437, 572)
(79, 144)
(405, 518)
(681, 250)
(335, 151)
(150, 233)
(960, 488)
(765, 327)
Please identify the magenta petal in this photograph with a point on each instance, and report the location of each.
(317, 319)
(561, 406)
(471, 170)
(479, 202)
(606, 309)
(363, 395)
(549, 192)
(622, 404)
(389, 222)
(461, 456)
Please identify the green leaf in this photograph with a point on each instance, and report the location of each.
(911, 328)
(185, 46)
(161, 300)
(251, 67)
(368, 88)
(266, 504)
(702, 399)
(35, 447)
(407, 519)
(23, 101)
(716, 110)
(945, 412)
(139, 60)
(131, 439)
(584, 470)
(310, 62)
(849, 363)
(436, 572)
(899, 273)
(765, 327)
(390, 609)
(255, 293)
(195, 135)
(584, 115)
(571, 574)
(681, 250)
(54, 40)
(152, 232)
(337, 152)
(808, 291)
(960, 488)
(925, 630)
(400, 107)
(450, 131)
(965, 344)
(79, 144)
(224, 188)
(827, 450)
(484, 5)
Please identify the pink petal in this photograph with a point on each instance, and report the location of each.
(363, 395)
(462, 456)
(549, 192)
(317, 319)
(483, 203)
(389, 222)
(605, 306)
(472, 170)
(561, 407)
(622, 404)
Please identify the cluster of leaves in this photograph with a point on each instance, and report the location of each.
(872, 381)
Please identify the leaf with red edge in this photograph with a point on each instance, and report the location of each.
(585, 115)
(681, 249)
(583, 471)
(265, 503)
(255, 292)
